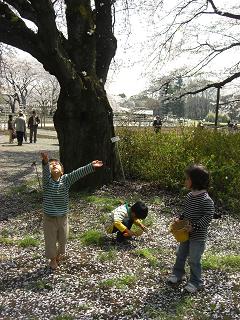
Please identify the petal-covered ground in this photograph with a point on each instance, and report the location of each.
(100, 278)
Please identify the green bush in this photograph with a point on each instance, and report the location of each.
(163, 158)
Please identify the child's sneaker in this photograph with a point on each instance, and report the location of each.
(191, 288)
(173, 279)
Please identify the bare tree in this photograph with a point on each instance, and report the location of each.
(200, 33)
(19, 79)
(45, 95)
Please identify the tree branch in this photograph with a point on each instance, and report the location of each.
(47, 29)
(106, 42)
(14, 32)
(81, 37)
(24, 8)
(223, 14)
(212, 85)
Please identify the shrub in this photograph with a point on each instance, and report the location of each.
(164, 157)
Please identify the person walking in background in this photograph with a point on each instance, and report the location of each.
(20, 126)
(157, 124)
(10, 128)
(33, 123)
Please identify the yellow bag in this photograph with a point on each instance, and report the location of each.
(177, 228)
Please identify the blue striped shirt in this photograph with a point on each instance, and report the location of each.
(56, 193)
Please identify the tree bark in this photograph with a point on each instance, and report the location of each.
(83, 120)
(84, 124)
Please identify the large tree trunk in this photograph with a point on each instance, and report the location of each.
(84, 125)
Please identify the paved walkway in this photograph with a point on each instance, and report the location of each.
(15, 161)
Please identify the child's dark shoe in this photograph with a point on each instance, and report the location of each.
(191, 288)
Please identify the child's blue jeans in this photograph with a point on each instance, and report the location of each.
(194, 250)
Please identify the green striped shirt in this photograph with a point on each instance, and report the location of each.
(56, 193)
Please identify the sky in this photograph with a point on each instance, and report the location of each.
(128, 71)
(130, 78)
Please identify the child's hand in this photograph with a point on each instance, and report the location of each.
(128, 233)
(189, 228)
(97, 164)
(44, 156)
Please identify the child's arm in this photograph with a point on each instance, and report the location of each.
(208, 210)
(83, 171)
(138, 223)
(46, 170)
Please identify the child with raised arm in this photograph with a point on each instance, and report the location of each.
(121, 219)
(199, 211)
(56, 186)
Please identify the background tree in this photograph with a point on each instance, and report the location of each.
(80, 61)
(18, 80)
(200, 36)
(45, 95)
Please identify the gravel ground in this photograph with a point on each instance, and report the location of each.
(106, 280)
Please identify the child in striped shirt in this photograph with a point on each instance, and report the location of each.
(199, 211)
(56, 187)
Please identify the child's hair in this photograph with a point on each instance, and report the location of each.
(10, 116)
(199, 176)
(140, 210)
(56, 160)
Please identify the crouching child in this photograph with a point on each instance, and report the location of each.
(121, 219)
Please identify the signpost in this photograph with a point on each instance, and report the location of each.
(115, 140)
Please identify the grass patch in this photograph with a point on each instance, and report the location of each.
(92, 237)
(26, 187)
(120, 283)
(226, 262)
(7, 241)
(176, 310)
(41, 285)
(156, 200)
(149, 221)
(148, 255)
(103, 200)
(24, 243)
(5, 233)
(107, 256)
(28, 242)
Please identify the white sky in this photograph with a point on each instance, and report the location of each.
(127, 72)
(129, 79)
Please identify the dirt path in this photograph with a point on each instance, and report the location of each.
(15, 161)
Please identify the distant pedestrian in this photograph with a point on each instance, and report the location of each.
(157, 124)
(10, 128)
(230, 126)
(20, 125)
(33, 123)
